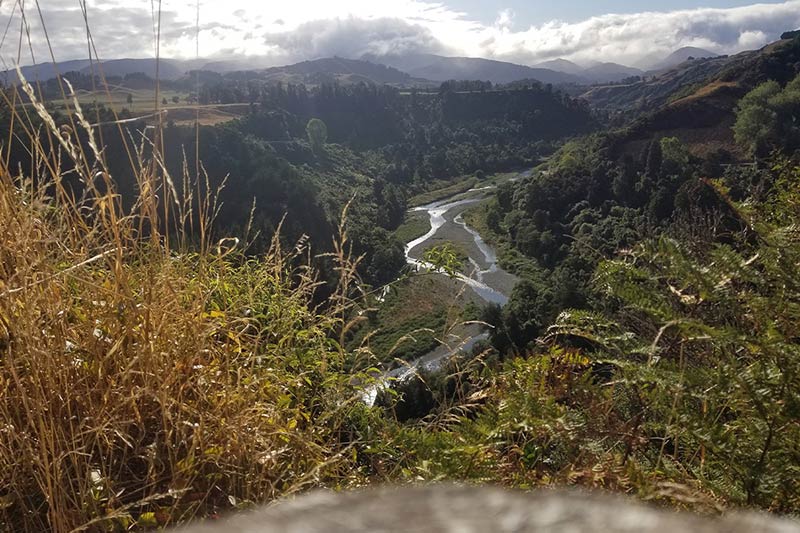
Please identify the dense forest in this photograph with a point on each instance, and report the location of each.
(191, 316)
(376, 144)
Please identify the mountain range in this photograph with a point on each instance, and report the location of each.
(404, 70)
(441, 68)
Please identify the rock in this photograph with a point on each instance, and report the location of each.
(468, 509)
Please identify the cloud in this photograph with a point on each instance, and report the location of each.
(629, 38)
(353, 37)
(304, 29)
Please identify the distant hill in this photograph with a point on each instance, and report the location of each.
(236, 64)
(656, 90)
(682, 55)
(168, 69)
(610, 72)
(696, 100)
(44, 71)
(595, 72)
(562, 65)
(441, 68)
(336, 69)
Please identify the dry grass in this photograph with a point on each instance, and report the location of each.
(142, 383)
(706, 91)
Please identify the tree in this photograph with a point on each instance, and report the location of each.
(655, 158)
(176, 99)
(317, 133)
(675, 155)
(130, 98)
(768, 118)
(756, 120)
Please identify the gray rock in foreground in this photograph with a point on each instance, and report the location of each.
(463, 509)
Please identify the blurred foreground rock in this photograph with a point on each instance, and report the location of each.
(464, 509)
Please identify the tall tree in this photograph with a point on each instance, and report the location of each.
(317, 133)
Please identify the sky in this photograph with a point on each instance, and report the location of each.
(535, 12)
(521, 31)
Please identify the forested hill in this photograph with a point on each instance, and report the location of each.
(662, 173)
(697, 78)
(696, 101)
(336, 69)
(379, 144)
(383, 144)
(368, 116)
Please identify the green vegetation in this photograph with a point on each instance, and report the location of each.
(508, 257)
(435, 195)
(317, 135)
(416, 315)
(415, 225)
(767, 118)
(144, 383)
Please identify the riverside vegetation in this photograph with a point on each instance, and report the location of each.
(172, 350)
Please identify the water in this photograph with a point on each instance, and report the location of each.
(436, 212)
(478, 282)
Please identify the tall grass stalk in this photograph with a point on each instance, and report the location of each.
(144, 381)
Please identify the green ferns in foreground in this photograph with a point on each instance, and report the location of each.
(685, 388)
(707, 350)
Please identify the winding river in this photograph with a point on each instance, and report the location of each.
(490, 283)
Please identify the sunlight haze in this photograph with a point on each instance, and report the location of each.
(517, 31)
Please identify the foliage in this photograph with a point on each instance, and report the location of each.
(146, 382)
(767, 118)
(415, 225)
(317, 134)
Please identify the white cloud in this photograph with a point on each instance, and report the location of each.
(628, 38)
(302, 29)
(353, 37)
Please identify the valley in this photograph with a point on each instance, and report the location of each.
(225, 281)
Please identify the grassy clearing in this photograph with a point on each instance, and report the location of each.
(444, 192)
(417, 312)
(459, 251)
(143, 103)
(509, 258)
(415, 225)
(141, 100)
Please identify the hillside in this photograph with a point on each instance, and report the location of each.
(654, 91)
(440, 68)
(610, 72)
(679, 56)
(562, 65)
(169, 69)
(44, 71)
(695, 101)
(335, 69)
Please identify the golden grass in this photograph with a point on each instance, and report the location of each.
(143, 381)
(705, 91)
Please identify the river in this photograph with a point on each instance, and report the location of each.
(490, 283)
